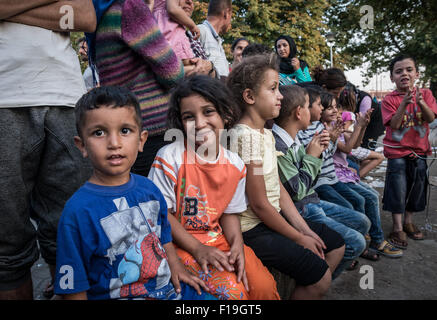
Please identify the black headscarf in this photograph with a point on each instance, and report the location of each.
(285, 64)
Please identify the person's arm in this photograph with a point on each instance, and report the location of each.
(230, 224)
(10, 8)
(75, 296)
(427, 114)
(303, 75)
(179, 15)
(51, 17)
(261, 206)
(179, 273)
(144, 37)
(356, 137)
(309, 238)
(299, 179)
(396, 120)
(203, 254)
(202, 66)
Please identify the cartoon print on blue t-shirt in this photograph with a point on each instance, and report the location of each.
(139, 264)
(134, 236)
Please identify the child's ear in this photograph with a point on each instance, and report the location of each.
(248, 96)
(81, 146)
(297, 113)
(143, 138)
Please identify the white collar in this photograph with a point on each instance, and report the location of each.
(285, 136)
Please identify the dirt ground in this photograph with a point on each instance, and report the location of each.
(412, 277)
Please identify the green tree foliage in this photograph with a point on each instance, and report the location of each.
(263, 21)
(74, 37)
(399, 26)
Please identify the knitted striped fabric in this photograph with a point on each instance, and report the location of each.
(132, 52)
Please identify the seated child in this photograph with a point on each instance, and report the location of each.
(114, 240)
(204, 184)
(172, 21)
(362, 197)
(299, 168)
(406, 114)
(309, 252)
(367, 158)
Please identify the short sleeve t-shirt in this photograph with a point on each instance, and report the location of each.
(110, 242)
(257, 146)
(413, 132)
(199, 191)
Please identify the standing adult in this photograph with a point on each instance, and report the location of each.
(291, 69)
(201, 63)
(131, 51)
(217, 23)
(40, 83)
(90, 76)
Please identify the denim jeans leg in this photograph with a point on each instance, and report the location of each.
(372, 212)
(354, 240)
(358, 202)
(327, 192)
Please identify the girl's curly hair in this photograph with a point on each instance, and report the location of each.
(248, 74)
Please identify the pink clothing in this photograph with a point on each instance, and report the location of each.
(413, 132)
(344, 173)
(172, 31)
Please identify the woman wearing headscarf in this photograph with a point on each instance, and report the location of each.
(292, 69)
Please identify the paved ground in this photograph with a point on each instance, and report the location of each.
(411, 277)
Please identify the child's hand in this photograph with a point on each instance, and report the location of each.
(408, 98)
(324, 139)
(295, 63)
(236, 259)
(419, 97)
(205, 255)
(195, 31)
(312, 244)
(335, 129)
(179, 273)
(315, 147)
(363, 119)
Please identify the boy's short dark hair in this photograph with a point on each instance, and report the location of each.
(313, 93)
(293, 97)
(402, 56)
(248, 75)
(106, 96)
(254, 49)
(211, 89)
(217, 7)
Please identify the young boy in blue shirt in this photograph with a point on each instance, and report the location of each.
(114, 240)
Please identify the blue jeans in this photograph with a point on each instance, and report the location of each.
(339, 194)
(356, 196)
(350, 224)
(371, 210)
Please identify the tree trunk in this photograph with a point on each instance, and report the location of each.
(433, 87)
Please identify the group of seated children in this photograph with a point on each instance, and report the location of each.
(209, 220)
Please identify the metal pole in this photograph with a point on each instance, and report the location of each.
(330, 49)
